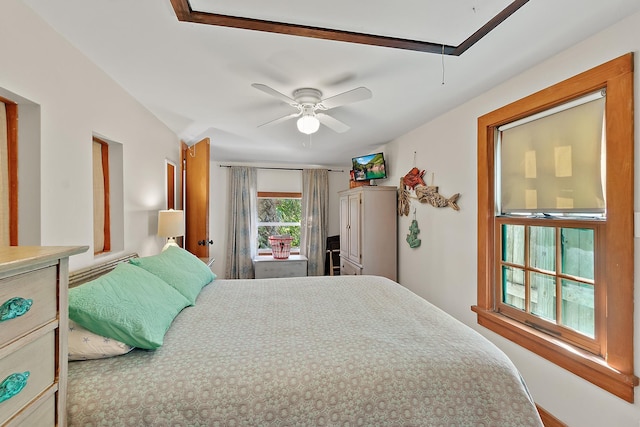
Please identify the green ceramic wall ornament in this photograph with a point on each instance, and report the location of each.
(412, 237)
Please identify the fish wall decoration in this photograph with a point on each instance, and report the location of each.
(423, 192)
(429, 194)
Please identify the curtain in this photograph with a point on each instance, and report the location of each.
(4, 178)
(242, 219)
(315, 212)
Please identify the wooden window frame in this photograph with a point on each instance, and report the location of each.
(593, 345)
(278, 195)
(614, 371)
(107, 203)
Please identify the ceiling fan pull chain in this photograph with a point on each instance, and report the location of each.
(304, 144)
(442, 59)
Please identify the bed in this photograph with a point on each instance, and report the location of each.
(341, 350)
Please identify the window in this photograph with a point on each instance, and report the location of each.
(101, 200)
(24, 179)
(278, 213)
(555, 275)
(546, 278)
(171, 177)
(9, 173)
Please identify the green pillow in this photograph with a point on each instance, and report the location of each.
(180, 269)
(127, 304)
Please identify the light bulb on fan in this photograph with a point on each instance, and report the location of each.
(308, 124)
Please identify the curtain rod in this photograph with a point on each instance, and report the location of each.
(285, 169)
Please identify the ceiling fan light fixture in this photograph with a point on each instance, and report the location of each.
(308, 124)
(308, 101)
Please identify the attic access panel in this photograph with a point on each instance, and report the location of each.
(232, 17)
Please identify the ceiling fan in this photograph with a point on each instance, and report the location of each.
(310, 105)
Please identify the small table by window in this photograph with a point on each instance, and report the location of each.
(266, 266)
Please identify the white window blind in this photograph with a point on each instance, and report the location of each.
(554, 162)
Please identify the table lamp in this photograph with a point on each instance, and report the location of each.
(170, 225)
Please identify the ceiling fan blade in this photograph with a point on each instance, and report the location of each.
(281, 119)
(354, 95)
(332, 123)
(266, 89)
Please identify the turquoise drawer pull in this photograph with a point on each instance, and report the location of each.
(14, 307)
(13, 385)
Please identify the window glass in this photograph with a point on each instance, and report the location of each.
(577, 252)
(543, 296)
(513, 244)
(578, 307)
(278, 216)
(542, 248)
(513, 289)
(531, 287)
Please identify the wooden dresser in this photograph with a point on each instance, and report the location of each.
(33, 334)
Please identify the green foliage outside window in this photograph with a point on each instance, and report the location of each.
(278, 216)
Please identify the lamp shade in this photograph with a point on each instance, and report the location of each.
(308, 124)
(170, 223)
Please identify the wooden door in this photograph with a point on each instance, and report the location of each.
(195, 161)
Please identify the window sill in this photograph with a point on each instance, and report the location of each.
(586, 365)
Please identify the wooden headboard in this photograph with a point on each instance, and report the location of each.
(77, 278)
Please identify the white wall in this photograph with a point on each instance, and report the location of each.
(444, 268)
(268, 180)
(75, 100)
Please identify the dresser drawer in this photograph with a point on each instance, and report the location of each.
(43, 416)
(349, 269)
(281, 269)
(37, 358)
(38, 286)
(269, 267)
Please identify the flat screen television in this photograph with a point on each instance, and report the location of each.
(370, 166)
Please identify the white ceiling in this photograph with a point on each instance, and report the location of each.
(197, 78)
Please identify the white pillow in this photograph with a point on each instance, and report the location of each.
(85, 345)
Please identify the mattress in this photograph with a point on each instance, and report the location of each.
(341, 350)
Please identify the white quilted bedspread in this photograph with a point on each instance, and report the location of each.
(350, 350)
